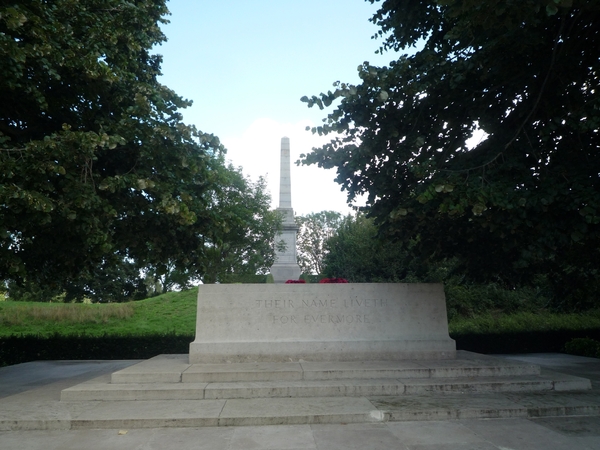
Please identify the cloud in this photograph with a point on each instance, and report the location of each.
(257, 151)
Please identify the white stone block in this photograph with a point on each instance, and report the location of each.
(321, 322)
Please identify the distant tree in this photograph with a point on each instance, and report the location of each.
(526, 198)
(313, 232)
(357, 252)
(354, 252)
(244, 244)
(96, 167)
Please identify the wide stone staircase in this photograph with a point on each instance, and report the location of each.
(168, 391)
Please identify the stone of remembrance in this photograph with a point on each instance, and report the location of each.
(321, 322)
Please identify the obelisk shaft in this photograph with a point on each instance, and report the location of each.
(286, 264)
(285, 180)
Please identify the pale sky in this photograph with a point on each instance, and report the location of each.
(246, 63)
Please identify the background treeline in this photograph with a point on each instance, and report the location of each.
(352, 247)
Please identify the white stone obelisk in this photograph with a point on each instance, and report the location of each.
(286, 265)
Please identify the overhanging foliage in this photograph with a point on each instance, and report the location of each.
(96, 168)
(527, 73)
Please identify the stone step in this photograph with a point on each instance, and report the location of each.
(176, 369)
(304, 410)
(99, 390)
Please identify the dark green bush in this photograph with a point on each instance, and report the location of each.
(547, 341)
(244, 278)
(468, 300)
(583, 347)
(20, 349)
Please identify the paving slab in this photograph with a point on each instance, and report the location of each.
(448, 407)
(149, 414)
(566, 382)
(583, 426)
(242, 372)
(541, 404)
(348, 438)
(475, 384)
(92, 391)
(205, 438)
(268, 437)
(288, 411)
(364, 369)
(160, 369)
(269, 389)
(434, 433)
(310, 388)
(520, 435)
(468, 364)
(37, 374)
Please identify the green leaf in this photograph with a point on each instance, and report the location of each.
(551, 9)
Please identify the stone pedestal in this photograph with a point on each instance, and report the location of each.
(321, 322)
(305, 354)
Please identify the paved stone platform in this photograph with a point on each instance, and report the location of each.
(155, 393)
(33, 417)
(172, 377)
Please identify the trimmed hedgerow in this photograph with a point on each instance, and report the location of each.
(20, 349)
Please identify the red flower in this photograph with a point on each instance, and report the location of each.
(295, 281)
(333, 280)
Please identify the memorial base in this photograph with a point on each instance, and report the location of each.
(321, 322)
(283, 272)
(305, 354)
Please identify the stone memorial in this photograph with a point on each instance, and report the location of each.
(267, 354)
(317, 322)
(286, 265)
(321, 322)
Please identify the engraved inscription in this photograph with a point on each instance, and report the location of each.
(366, 302)
(319, 303)
(284, 319)
(336, 318)
(275, 303)
(310, 311)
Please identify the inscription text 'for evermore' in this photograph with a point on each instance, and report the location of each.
(322, 303)
(323, 318)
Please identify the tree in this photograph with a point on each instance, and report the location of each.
(240, 243)
(355, 253)
(245, 246)
(96, 166)
(313, 232)
(526, 198)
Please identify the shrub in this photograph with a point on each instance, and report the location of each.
(583, 347)
(333, 280)
(469, 300)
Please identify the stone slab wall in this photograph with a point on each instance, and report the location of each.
(321, 322)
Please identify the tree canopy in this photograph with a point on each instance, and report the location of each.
(96, 167)
(313, 232)
(355, 253)
(247, 245)
(526, 197)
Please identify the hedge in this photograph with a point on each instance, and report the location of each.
(550, 341)
(20, 349)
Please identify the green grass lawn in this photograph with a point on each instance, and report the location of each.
(173, 313)
(524, 322)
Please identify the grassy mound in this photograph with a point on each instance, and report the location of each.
(170, 313)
